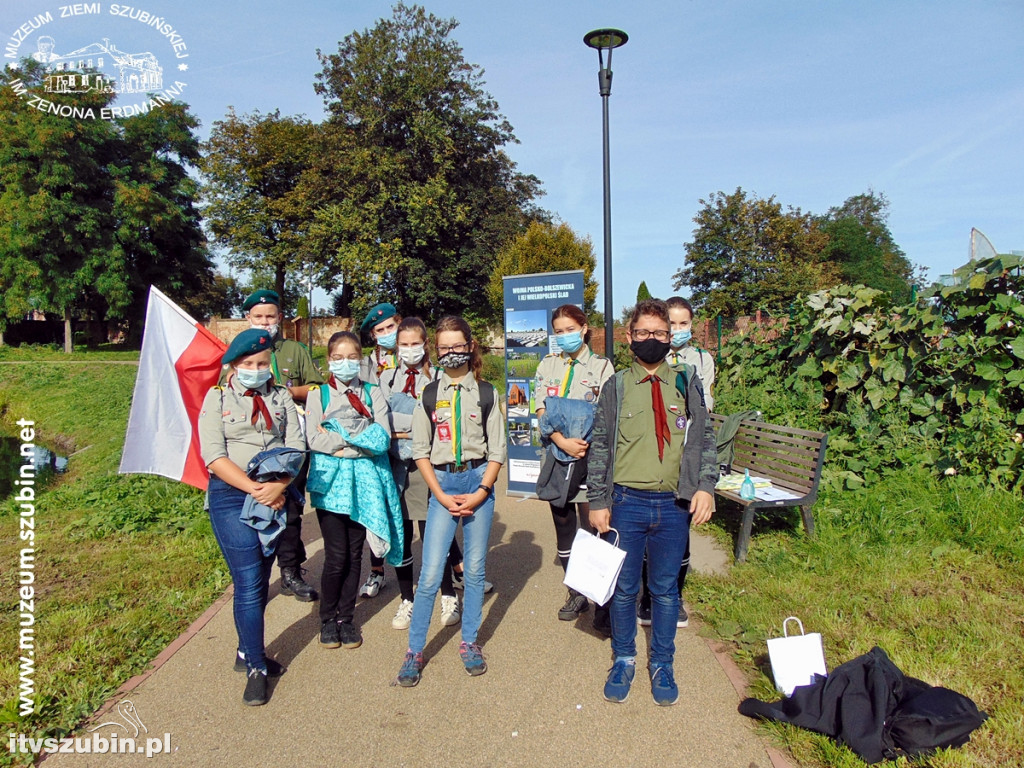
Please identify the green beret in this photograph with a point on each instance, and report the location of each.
(378, 314)
(263, 296)
(248, 342)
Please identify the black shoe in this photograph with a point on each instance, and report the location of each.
(602, 622)
(575, 604)
(292, 584)
(330, 637)
(255, 689)
(349, 634)
(274, 669)
(643, 614)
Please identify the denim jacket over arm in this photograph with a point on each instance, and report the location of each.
(698, 469)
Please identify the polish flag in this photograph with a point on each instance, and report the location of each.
(179, 363)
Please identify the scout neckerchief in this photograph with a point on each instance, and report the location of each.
(660, 421)
(457, 426)
(410, 382)
(259, 408)
(383, 366)
(353, 398)
(676, 357)
(273, 368)
(563, 391)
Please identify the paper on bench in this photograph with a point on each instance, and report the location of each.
(774, 494)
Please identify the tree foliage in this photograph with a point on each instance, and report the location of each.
(643, 293)
(94, 211)
(544, 247)
(412, 192)
(749, 254)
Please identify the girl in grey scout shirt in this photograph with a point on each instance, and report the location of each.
(575, 372)
(460, 458)
(245, 416)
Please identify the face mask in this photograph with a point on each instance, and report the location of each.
(454, 359)
(251, 379)
(344, 370)
(569, 342)
(680, 337)
(271, 329)
(650, 350)
(412, 355)
(389, 341)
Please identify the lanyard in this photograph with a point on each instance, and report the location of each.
(457, 426)
(563, 391)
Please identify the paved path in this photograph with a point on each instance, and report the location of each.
(539, 704)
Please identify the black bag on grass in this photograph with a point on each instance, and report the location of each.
(929, 718)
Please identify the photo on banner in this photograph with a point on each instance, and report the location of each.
(529, 302)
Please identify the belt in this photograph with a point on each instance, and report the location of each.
(466, 465)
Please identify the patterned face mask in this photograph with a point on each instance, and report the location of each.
(454, 359)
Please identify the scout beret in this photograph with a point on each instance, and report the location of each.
(248, 342)
(263, 296)
(378, 314)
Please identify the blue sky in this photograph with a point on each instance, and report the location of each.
(811, 102)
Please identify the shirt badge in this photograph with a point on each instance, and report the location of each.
(680, 422)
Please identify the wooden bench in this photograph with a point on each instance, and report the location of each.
(790, 458)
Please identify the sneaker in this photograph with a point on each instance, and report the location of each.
(412, 669)
(663, 686)
(602, 621)
(403, 616)
(373, 584)
(684, 617)
(274, 669)
(450, 614)
(255, 688)
(620, 677)
(643, 614)
(575, 604)
(349, 635)
(330, 637)
(459, 582)
(472, 658)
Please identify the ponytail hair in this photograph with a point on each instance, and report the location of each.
(574, 313)
(456, 323)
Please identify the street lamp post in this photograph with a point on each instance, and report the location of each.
(606, 40)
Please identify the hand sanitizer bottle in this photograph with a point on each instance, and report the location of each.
(747, 489)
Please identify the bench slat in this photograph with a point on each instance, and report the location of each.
(763, 435)
(768, 452)
(785, 430)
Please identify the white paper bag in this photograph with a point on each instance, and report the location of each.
(796, 659)
(594, 566)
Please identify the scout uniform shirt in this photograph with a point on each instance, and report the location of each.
(373, 366)
(589, 373)
(468, 438)
(340, 407)
(395, 380)
(226, 425)
(636, 450)
(700, 359)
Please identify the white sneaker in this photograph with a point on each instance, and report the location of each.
(459, 582)
(372, 586)
(450, 614)
(403, 617)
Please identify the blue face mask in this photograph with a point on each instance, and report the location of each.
(251, 379)
(344, 370)
(679, 338)
(388, 342)
(569, 342)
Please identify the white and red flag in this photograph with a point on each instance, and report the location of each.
(179, 363)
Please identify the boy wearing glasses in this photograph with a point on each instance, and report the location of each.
(653, 468)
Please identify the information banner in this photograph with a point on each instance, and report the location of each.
(529, 301)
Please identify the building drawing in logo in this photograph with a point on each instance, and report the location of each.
(116, 71)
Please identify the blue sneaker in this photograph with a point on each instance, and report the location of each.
(411, 670)
(472, 658)
(616, 687)
(663, 686)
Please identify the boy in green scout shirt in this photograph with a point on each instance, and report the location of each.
(292, 367)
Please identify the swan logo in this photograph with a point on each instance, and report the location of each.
(127, 734)
(97, 60)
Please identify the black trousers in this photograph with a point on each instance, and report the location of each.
(343, 560)
(291, 552)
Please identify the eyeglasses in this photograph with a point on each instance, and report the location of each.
(642, 334)
(459, 348)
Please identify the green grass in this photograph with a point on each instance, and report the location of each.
(929, 569)
(101, 617)
(55, 353)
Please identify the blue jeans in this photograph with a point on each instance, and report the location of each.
(250, 570)
(657, 522)
(440, 531)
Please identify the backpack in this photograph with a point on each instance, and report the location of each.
(429, 400)
(929, 718)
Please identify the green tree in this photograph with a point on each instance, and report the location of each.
(862, 247)
(749, 254)
(643, 293)
(544, 247)
(413, 193)
(255, 205)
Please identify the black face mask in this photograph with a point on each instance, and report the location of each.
(650, 350)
